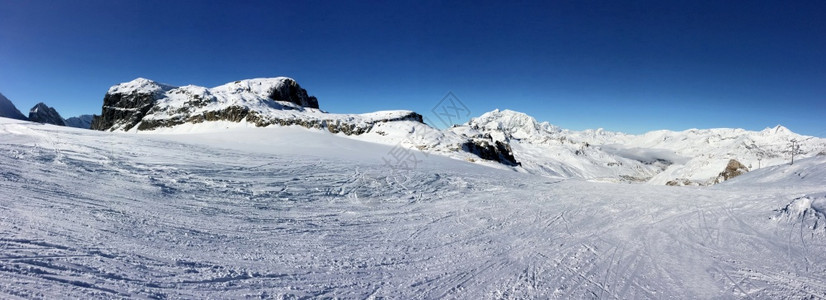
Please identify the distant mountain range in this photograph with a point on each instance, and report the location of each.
(42, 113)
(500, 138)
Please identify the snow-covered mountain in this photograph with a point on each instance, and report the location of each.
(513, 139)
(81, 121)
(144, 105)
(8, 110)
(43, 113)
(694, 157)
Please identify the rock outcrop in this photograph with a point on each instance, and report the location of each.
(290, 91)
(124, 105)
(44, 114)
(8, 110)
(733, 169)
(491, 150)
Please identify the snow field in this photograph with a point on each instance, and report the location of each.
(290, 212)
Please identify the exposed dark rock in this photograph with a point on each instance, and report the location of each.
(733, 169)
(682, 182)
(44, 114)
(8, 110)
(290, 91)
(124, 110)
(491, 150)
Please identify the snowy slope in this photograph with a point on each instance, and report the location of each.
(656, 157)
(804, 173)
(8, 110)
(290, 212)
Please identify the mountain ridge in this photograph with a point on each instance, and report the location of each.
(514, 139)
(8, 110)
(696, 156)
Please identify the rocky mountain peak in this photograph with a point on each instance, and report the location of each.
(8, 110)
(44, 114)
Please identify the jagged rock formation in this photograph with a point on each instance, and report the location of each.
(81, 121)
(493, 150)
(124, 105)
(290, 91)
(44, 114)
(733, 169)
(8, 110)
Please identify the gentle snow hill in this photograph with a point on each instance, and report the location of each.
(8, 110)
(289, 212)
(657, 157)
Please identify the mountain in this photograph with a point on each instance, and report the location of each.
(82, 121)
(143, 105)
(42, 113)
(507, 138)
(690, 157)
(8, 110)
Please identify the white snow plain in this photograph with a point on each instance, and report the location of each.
(285, 212)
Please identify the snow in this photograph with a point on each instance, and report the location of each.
(141, 86)
(290, 212)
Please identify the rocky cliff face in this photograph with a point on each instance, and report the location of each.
(44, 114)
(8, 110)
(491, 150)
(290, 91)
(124, 105)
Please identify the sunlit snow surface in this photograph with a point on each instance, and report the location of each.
(284, 212)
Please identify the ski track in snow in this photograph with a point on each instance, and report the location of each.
(86, 214)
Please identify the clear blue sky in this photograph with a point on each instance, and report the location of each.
(630, 66)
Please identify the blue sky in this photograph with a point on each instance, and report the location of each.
(629, 66)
